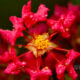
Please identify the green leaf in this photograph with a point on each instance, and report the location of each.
(67, 77)
(76, 2)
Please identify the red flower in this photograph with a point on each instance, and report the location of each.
(17, 23)
(39, 29)
(67, 64)
(31, 60)
(15, 66)
(71, 72)
(63, 24)
(30, 18)
(11, 36)
(4, 53)
(9, 55)
(41, 75)
(58, 11)
(76, 10)
(3, 44)
(50, 59)
(42, 49)
(61, 10)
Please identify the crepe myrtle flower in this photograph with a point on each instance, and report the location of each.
(67, 64)
(76, 10)
(30, 18)
(15, 64)
(59, 10)
(41, 75)
(7, 38)
(3, 45)
(63, 24)
(11, 36)
(40, 44)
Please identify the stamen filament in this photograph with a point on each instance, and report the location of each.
(53, 34)
(60, 49)
(27, 38)
(21, 55)
(54, 57)
(23, 45)
(30, 34)
(37, 62)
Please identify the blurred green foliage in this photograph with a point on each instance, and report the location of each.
(67, 77)
(76, 2)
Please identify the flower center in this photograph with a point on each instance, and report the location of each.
(41, 43)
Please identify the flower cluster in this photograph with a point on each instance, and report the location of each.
(45, 54)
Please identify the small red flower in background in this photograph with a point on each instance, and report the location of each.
(44, 54)
(67, 64)
(63, 24)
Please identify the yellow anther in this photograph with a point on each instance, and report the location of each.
(46, 68)
(67, 29)
(78, 40)
(41, 43)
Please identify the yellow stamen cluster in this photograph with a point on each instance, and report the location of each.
(41, 43)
